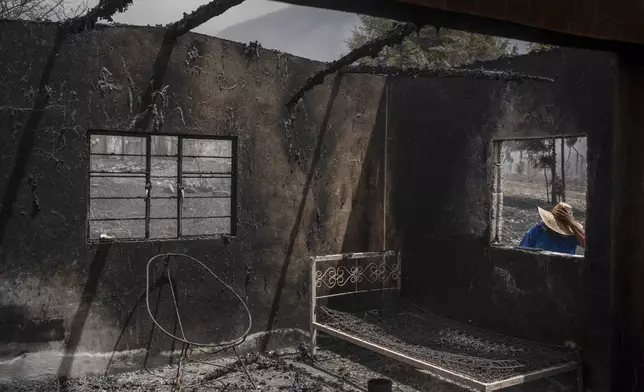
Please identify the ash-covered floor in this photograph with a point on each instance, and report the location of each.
(339, 366)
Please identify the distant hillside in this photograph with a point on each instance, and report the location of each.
(313, 33)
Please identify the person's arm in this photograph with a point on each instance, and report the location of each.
(576, 227)
(580, 234)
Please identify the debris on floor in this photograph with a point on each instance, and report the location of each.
(339, 366)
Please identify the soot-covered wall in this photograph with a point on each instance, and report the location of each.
(440, 188)
(296, 184)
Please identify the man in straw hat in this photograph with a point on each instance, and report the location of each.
(558, 232)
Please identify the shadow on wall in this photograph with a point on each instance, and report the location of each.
(298, 218)
(159, 68)
(20, 328)
(438, 130)
(364, 227)
(80, 317)
(28, 138)
(16, 326)
(364, 230)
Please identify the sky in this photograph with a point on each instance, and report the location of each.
(312, 33)
(166, 11)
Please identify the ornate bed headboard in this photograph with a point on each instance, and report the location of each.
(353, 273)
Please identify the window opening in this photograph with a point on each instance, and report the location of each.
(161, 186)
(531, 173)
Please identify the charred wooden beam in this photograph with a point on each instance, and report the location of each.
(369, 49)
(199, 16)
(404, 12)
(105, 9)
(476, 73)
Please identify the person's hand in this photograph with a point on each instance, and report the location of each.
(564, 216)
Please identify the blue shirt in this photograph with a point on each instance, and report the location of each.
(540, 237)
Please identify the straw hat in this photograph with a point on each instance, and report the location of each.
(552, 222)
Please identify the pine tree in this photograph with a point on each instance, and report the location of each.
(430, 47)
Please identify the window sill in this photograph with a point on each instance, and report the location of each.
(538, 252)
(222, 237)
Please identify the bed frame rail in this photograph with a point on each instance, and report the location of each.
(343, 274)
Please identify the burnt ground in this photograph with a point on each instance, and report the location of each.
(520, 201)
(339, 366)
(284, 370)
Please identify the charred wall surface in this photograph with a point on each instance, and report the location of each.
(314, 187)
(440, 203)
(295, 184)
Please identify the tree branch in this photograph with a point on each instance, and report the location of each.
(199, 16)
(369, 49)
(480, 73)
(104, 10)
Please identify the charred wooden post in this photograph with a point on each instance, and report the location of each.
(627, 270)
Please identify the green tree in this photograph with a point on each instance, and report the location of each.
(429, 48)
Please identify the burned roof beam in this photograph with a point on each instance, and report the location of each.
(369, 49)
(105, 9)
(199, 16)
(405, 12)
(476, 73)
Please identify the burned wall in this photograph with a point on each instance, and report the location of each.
(295, 184)
(441, 209)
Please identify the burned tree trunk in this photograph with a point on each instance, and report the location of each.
(563, 172)
(369, 49)
(553, 170)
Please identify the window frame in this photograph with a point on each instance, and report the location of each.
(495, 179)
(147, 136)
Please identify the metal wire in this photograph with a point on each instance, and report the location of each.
(228, 344)
(175, 302)
(479, 354)
(241, 361)
(186, 343)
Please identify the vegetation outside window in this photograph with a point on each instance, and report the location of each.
(533, 173)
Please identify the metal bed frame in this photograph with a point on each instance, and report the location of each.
(343, 274)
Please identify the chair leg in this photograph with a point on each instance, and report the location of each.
(313, 344)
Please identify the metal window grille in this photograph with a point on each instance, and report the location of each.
(144, 186)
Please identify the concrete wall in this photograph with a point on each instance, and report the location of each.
(295, 185)
(441, 203)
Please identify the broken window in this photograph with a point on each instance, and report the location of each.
(531, 173)
(160, 186)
